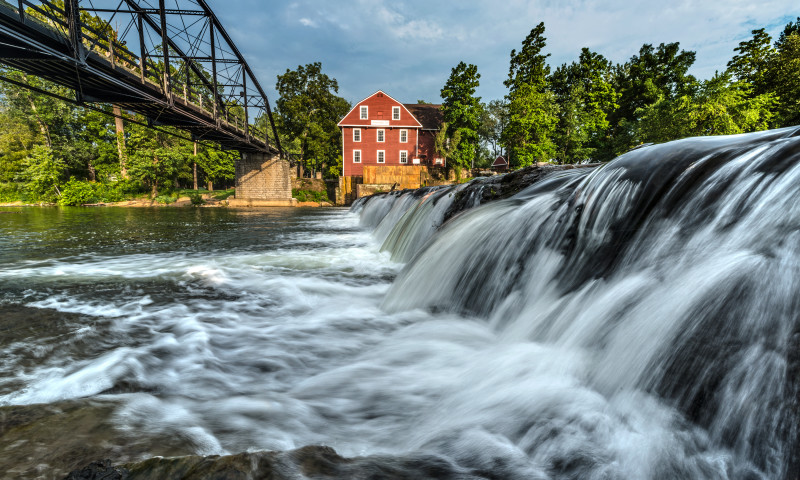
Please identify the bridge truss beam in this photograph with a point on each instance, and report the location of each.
(187, 73)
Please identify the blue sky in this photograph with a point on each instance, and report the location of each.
(408, 47)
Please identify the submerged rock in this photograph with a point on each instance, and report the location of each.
(317, 462)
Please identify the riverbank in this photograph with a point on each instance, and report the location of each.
(181, 202)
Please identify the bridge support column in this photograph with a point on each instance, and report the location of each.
(263, 180)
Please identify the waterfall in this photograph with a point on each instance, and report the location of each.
(673, 270)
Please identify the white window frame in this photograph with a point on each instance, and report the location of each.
(404, 136)
(404, 156)
(395, 113)
(356, 156)
(363, 112)
(380, 136)
(381, 154)
(356, 134)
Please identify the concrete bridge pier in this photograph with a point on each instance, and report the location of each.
(263, 180)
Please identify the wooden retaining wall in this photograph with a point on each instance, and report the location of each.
(405, 176)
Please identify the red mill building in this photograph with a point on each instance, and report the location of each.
(379, 130)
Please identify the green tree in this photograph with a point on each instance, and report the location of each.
(753, 63)
(461, 110)
(791, 28)
(446, 144)
(17, 140)
(493, 121)
(217, 165)
(529, 65)
(43, 173)
(531, 126)
(531, 106)
(585, 96)
(154, 159)
(310, 110)
(785, 72)
(653, 74)
(718, 108)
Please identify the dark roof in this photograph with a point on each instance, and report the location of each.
(430, 116)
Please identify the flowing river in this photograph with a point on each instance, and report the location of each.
(633, 321)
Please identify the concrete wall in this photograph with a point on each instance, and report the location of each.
(263, 180)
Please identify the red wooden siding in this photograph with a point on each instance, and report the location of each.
(420, 143)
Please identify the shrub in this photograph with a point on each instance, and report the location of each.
(196, 198)
(10, 192)
(309, 195)
(76, 192)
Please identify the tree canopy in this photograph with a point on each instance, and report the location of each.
(461, 110)
(308, 111)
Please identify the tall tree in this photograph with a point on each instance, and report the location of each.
(529, 65)
(585, 96)
(719, 107)
(786, 74)
(754, 61)
(653, 74)
(310, 110)
(461, 110)
(531, 106)
(446, 144)
(791, 28)
(494, 118)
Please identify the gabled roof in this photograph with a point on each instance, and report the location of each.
(430, 116)
(499, 162)
(342, 121)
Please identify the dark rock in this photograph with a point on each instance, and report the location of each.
(312, 462)
(101, 470)
(497, 187)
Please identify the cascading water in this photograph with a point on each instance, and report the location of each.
(646, 313)
(633, 321)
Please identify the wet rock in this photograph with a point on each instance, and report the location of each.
(310, 462)
(497, 187)
(100, 470)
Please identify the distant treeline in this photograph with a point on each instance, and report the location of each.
(593, 110)
(588, 110)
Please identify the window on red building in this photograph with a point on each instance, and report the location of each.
(381, 156)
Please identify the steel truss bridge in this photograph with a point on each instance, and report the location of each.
(169, 60)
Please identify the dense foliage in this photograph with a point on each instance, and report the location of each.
(593, 110)
(461, 110)
(308, 113)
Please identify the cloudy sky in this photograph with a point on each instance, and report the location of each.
(408, 47)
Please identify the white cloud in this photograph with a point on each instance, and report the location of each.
(307, 22)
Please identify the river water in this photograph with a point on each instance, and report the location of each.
(188, 330)
(635, 321)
